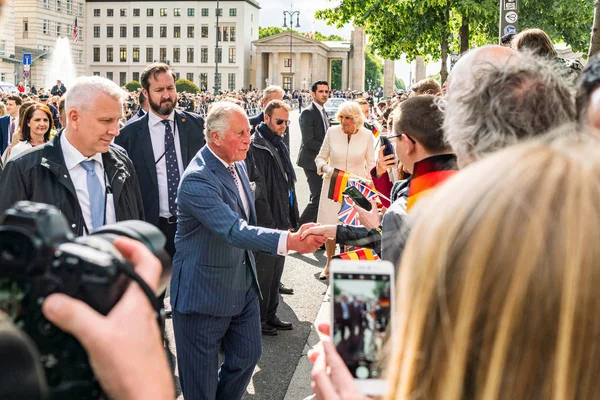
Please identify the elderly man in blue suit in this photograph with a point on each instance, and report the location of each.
(214, 289)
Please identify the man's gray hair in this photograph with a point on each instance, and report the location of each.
(505, 104)
(271, 89)
(218, 118)
(82, 93)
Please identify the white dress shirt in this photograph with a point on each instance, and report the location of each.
(282, 243)
(11, 120)
(73, 159)
(157, 135)
(323, 118)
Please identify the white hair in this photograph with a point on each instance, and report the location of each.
(351, 109)
(81, 94)
(218, 118)
(270, 90)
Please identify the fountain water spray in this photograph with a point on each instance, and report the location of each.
(61, 65)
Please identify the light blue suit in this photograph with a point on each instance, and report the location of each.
(214, 290)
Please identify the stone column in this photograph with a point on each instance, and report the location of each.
(388, 77)
(419, 69)
(297, 68)
(315, 68)
(275, 67)
(345, 73)
(258, 66)
(358, 65)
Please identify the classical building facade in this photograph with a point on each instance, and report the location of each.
(125, 36)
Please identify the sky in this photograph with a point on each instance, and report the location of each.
(271, 14)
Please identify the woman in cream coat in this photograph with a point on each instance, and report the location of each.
(349, 147)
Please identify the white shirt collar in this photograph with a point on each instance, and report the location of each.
(319, 107)
(218, 158)
(72, 156)
(154, 119)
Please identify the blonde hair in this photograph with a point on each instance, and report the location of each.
(351, 109)
(498, 288)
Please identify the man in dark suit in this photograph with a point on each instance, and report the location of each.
(10, 122)
(59, 89)
(55, 116)
(313, 125)
(161, 145)
(214, 290)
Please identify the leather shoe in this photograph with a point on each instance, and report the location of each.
(284, 289)
(268, 330)
(279, 324)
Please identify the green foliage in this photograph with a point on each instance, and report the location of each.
(331, 38)
(133, 86)
(399, 83)
(373, 69)
(336, 74)
(183, 85)
(274, 30)
(437, 77)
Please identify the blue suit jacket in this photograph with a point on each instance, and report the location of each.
(215, 240)
(4, 127)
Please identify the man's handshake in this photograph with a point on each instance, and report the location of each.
(310, 244)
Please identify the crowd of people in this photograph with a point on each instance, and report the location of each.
(487, 209)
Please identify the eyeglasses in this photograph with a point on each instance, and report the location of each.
(409, 138)
(281, 121)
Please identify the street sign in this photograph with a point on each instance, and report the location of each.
(26, 67)
(509, 15)
(25, 74)
(27, 59)
(509, 29)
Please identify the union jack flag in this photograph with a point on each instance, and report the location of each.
(364, 190)
(347, 214)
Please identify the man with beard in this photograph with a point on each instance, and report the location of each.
(161, 145)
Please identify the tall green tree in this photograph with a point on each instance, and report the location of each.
(399, 83)
(373, 69)
(336, 74)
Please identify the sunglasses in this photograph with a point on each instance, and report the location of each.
(281, 121)
(409, 138)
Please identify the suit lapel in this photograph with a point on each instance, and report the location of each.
(145, 141)
(182, 129)
(241, 169)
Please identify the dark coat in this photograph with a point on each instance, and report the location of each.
(135, 139)
(40, 175)
(4, 132)
(313, 134)
(58, 91)
(266, 169)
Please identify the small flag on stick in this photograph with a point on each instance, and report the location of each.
(75, 35)
(360, 254)
(348, 214)
(337, 185)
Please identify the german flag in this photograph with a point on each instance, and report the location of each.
(429, 173)
(360, 254)
(337, 185)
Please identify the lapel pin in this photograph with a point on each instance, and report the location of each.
(182, 119)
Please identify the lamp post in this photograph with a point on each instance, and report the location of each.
(217, 83)
(291, 14)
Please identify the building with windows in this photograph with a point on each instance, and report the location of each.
(125, 36)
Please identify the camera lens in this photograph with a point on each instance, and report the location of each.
(16, 250)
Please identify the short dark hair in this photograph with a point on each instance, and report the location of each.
(426, 86)
(26, 117)
(316, 84)
(16, 98)
(421, 118)
(153, 70)
(535, 40)
(141, 99)
(61, 104)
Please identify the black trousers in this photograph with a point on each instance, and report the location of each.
(169, 231)
(269, 270)
(315, 183)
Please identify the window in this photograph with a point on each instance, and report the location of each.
(149, 54)
(163, 12)
(136, 54)
(80, 9)
(287, 82)
(251, 17)
(233, 12)
(136, 76)
(203, 81)
(220, 12)
(110, 12)
(163, 54)
(45, 26)
(191, 12)
(219, 52)
(176, 54)
(123, 12)
(96, 12)
(287, 62)
(231, 81)
(136, 12)
(232, 55)
(177, 12)
(176, 31)
(69, 6)
(190, 76)
(136, 31)
(177, 76)
(96, 73)
(163, 31)
(2, 47)
(123, 31)
(109, 31)
(205, 12)
(79, 56)
(122, 78)
(123, 54)
(47, 5)
(149, 12)
(58, 29)
(204, 31)
(190, 56)
(226, 34)
(109, 75)
(149, 31)
(96, 31)
(232, 33)
(109, 54)
(58, 7)
(204, 55)
(190, 31)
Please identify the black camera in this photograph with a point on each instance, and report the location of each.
(39, 255)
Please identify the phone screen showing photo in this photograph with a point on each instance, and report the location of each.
(361, 315)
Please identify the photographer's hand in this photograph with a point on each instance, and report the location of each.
(125, 347)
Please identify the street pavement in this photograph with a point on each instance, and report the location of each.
(284, 359)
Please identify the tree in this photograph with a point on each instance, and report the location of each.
(336, 75)
(274, 30)
(269, 31)
(183, 85)
(399, 83)
(373, 69)
(133, 86)
(595, 34)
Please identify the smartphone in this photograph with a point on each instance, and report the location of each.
(358, 197)
(388, 148)
(362, 303)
